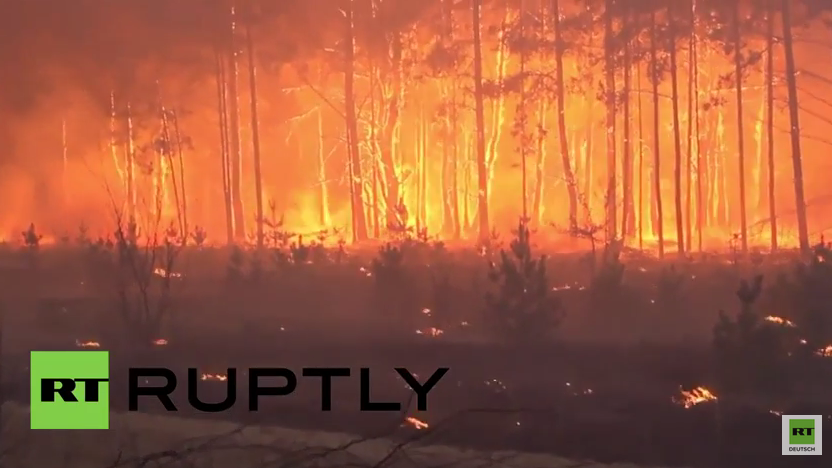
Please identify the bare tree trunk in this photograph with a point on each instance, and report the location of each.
(772, 204)
(389, 135)
(255, 137)
(640, 163)
(222, 113)
(236, 154)
(182, 179)
(423, 168)
(740, 130)
(794, 117)
(627, 215)
(65, 169)
(357, 181)
(611, 202)
(482, 169)
(657, 178)
(571, 185)
(324, 192)
(455, 165)
(374, 153)
(523, 117)
(700, 173)
(689, 150)
(677, 139)
(131, 167)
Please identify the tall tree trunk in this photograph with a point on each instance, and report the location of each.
(690, 112)
(627, 215)
(482, 169)
(131, 167)
(455, 163)
(236, 154)
(740, 130)
(498, 105)
(65, 199)
(324, 216)
(640, 162)
(423, 167)
(523, 118)
(611, 202)
(794, 117)
(255, 137)
(222, 112)
(375, 162)
(389, 135)
(357, 181)
(772, 204)
(571, 185)
(657, 177)
(180, 149)
(677, 139)
(700, 173)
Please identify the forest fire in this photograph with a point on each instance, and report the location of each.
(550, 152)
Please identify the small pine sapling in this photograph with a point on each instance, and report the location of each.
(31, 239)
(199, 236)
(522, 309)
(235, 270)
(300, 252)
(750, 353)
(391, 292)
(669, 288)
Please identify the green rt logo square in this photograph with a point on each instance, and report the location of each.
(70, 390)
(802, 435)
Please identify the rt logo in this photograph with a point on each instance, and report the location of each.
(70, 390)
(801, 435)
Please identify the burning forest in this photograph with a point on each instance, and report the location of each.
(675, 127)
(602, 220)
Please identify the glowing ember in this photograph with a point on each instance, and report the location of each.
(166, 274)
(825, 352)
(433, 332)
(698, 395)
(214, 377)
(418, 424)
(779, 321)
(160, 342)
(87, 344)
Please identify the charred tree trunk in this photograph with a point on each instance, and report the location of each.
(740, 130)
(222, 113)
(640, 163)
(255, 137)
(677, 139)
(571, 185)
(794, 117)
(356, 181)
(657, 178)
(772, 204)
(700, 173)
(627, 215)
(325, 218)
(389, 135)
(611, 202)
(235, 150)
(482, 169)
(180, 149)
